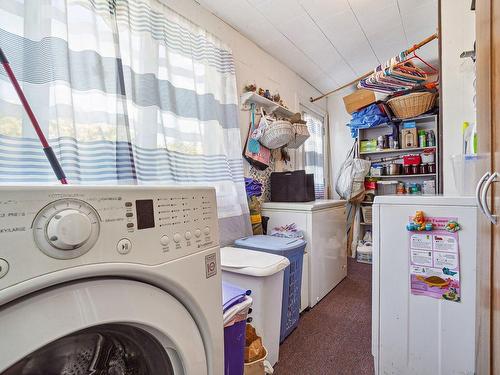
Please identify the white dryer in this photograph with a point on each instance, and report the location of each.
(110, 280)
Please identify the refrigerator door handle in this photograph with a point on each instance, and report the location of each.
(492, 218)
(479, 187)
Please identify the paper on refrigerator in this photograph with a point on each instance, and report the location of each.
(435, 261)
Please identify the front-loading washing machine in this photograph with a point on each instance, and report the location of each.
(110, 280)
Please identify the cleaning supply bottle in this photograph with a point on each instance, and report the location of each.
(431, 139)
(422, 138)
(469, 138)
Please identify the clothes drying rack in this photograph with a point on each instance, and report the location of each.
(49, 152)
(366, 75)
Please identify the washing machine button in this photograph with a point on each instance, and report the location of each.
(197, 233)
(188, 235)
(206, 231)
(177, 237)
(164, 240)
(124, 246)
(4, 267)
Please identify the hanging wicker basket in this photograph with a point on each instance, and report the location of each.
(412, 105)
(301, 133)
(277, 134)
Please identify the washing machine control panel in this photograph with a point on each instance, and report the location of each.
(53, 228)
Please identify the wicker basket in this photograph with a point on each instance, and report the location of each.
(277, 134)
(412, 105)
(367, 214)
(301, 133)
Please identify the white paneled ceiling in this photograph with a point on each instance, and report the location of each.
(331, 42)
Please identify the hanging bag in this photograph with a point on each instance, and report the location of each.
(264, 122)
(351, 177)
(260, 159)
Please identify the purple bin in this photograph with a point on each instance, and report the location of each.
(235, 307)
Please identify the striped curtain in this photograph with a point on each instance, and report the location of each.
(314, 152)
(128, 92)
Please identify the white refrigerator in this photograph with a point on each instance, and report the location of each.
(324, 225)
(414, 332)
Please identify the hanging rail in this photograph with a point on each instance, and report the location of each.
(408, 51)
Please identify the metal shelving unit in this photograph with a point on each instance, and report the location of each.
(425, 122)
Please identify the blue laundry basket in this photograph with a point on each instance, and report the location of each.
(293, 249)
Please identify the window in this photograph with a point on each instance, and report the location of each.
(314, 151)
(127, 92)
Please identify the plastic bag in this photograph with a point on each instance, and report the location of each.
(263, 125)
(351, 177)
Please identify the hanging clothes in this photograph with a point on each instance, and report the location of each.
(397, 74)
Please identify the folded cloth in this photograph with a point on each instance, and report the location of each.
(367, 118)
(253, 187)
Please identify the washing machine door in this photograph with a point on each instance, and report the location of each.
(101, 327)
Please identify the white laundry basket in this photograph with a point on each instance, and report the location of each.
(262, 273)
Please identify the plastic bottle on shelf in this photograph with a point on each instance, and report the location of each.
(431, 138)
(422, 138)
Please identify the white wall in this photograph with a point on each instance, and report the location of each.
(340, 135)
(253, 65)
(458, 35)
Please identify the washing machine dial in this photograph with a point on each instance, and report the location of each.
(66, 228)
(69, 229)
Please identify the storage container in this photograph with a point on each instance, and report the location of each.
(262, 273)
(277, 134)
(364, 252)
(235, 309)
(293, 249)
(359, 99)
(300, 135)
(296, 186)
(412, 105)
(257, 367)
(412, 159)
(428, 156)
(368, 146)
(467, 170)
(366, 211)
(386, 187)
(429, 187)
(376, 170)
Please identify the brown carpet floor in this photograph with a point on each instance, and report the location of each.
(334, 338)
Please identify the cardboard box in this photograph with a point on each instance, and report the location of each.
(409, 138)
(358, 100)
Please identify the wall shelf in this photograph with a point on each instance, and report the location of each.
(248, 98)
